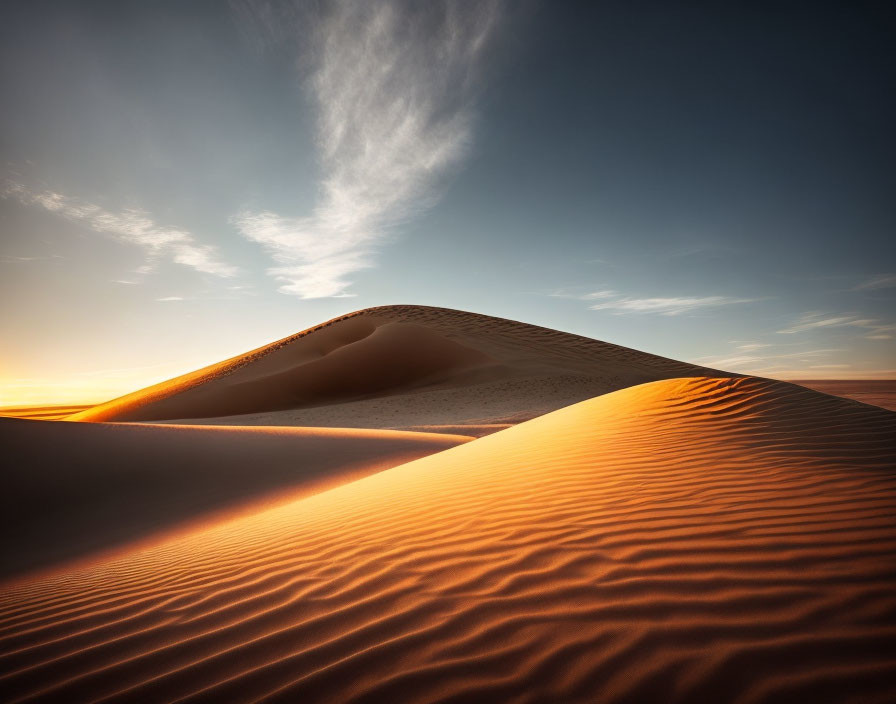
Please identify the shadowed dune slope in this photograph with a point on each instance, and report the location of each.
(876, 392)
(690, 540)
(72, 489)
(399, 366)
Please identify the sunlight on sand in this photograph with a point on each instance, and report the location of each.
(684, 540)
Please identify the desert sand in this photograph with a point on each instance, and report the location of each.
(684, 540)
(876, 392)
(41, 412)
(399, 367)
(72, 490)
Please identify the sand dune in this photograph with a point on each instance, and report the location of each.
(41, 412)
(397, 367)
(876, 392)
(71, 490)
(698, 540)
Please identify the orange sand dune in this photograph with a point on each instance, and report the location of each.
(397, 367)
(42, 412)
(688, 540)
(70, 490)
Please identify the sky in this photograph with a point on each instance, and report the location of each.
(184, 182)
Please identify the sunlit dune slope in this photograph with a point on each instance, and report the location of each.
(399, 366)
(72, 489)
(41, 412)
(699, 540)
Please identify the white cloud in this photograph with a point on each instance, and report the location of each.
(737, 361)
(874, 329)
(877, 282)
(171, 298)
(394, 87)
(132, 226)
(599, 294)
(667, 306)
(770, 360)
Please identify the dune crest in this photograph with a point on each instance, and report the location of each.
(686, 540)
(397, 367)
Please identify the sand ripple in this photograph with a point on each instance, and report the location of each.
(694, 540)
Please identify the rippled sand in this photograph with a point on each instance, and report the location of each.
(697, 539)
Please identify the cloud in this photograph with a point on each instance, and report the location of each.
(877, 282)
(771, 360)
(132, 226)
(171, 298)
(579, 296)
(874, 329)
(738, 361)
(22, 260)
(619, 304)
(394, 85)
(667, 306)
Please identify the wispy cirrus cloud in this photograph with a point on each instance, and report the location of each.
(674, 305)
(877, 282)
(615, 302)
(394, 86)
(871, 328)
(780, 361)
(132, 225)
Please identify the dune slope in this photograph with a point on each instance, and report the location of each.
(398, 366)
(684, 540)
(70, 490)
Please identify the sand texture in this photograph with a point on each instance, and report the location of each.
(876, 392)
(399, 367)
(41, 412)
(71, 490)
(686, 540)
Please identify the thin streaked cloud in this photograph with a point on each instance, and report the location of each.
(770, 359)
(871, 328)
(877, 282)
(675, 305)
(132, 225)
(394, 86)
(618, 303)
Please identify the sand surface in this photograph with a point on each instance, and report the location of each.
(42, 412)
(698, 540)
(399, 367)
(71, 490)
(876, 392)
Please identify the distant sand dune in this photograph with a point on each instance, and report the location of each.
(397, 367)
(70, 490)
(698, 540)
(877, 392)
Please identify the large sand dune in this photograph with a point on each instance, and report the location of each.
(398, 367)
(70, 490)
(700, 540)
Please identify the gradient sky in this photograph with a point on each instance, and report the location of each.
(183, 182)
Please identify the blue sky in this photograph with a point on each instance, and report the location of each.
(185, 181)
